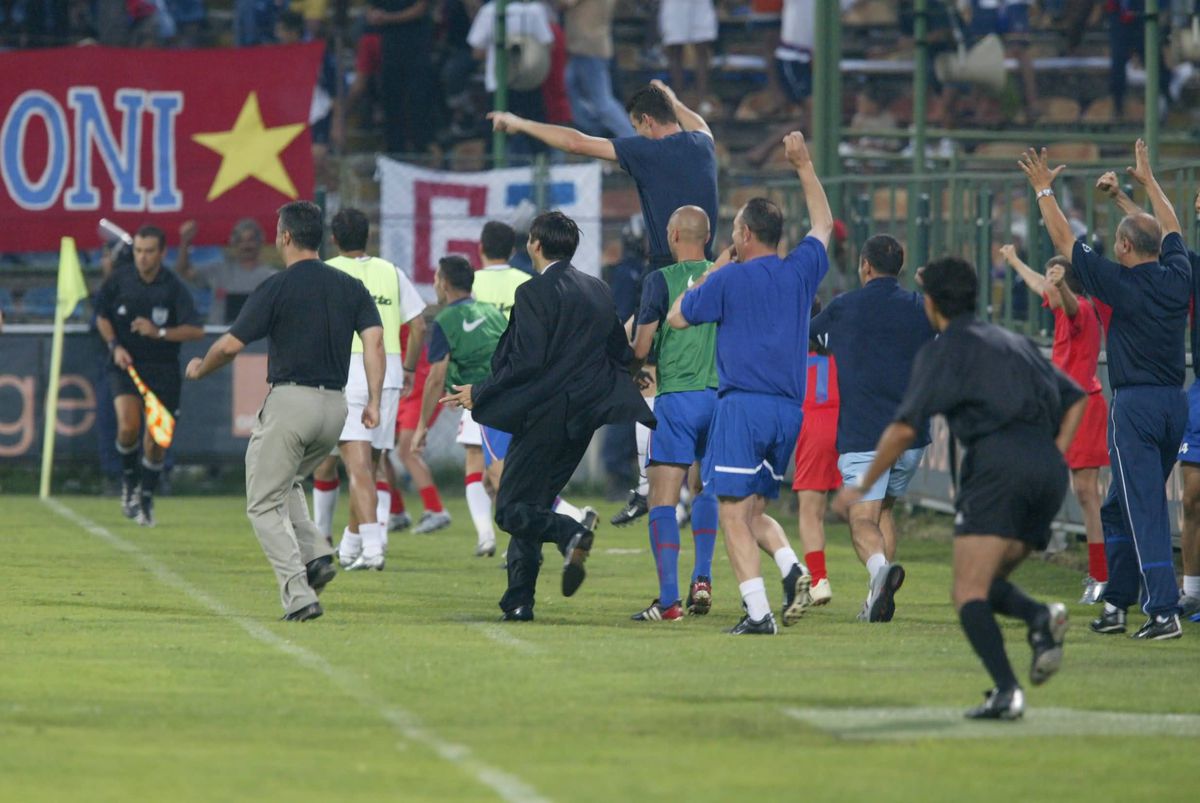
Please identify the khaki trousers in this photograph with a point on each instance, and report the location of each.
(296, 429)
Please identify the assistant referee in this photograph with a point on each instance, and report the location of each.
(309, 313)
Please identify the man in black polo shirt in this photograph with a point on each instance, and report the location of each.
(1010, 407)
(144, 312)
(309, 312)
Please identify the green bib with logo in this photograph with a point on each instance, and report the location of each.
(473, 329)
(686, 357)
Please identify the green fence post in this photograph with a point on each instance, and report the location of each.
(1153, 50)
(983, 249)
(499, 138)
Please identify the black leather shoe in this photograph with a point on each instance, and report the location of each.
(1009, 704)
(312, 611)
(576, 554)
(319, 572)
(522, 613)
(1160, 628)
(1109, 621)
(634, 509)
(755, 627)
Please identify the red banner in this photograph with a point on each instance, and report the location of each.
(151, 136)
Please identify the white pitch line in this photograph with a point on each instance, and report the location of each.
(500, 635)
(949, 723)
(506, 785)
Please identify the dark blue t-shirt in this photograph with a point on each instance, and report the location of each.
(671, 172)
(1149, 312)
(761, 309)
(874, 334)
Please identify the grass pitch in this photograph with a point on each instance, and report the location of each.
(149, 665)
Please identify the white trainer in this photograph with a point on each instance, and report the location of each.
(432, 522)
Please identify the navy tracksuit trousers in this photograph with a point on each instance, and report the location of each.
(1145, 427)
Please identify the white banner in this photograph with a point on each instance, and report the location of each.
(428, 214)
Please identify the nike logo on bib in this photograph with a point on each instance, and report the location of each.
(471, 326)
(691, 280)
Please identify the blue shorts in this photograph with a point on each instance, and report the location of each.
(749, 444)
(1011, 20)
(683, 421)
(796, 77)
(893, 483)
(1189, 450)
(495, 444)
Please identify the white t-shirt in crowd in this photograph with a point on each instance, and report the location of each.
(523, 18)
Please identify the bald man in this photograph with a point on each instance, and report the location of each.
(684, 402)
(1149, 296)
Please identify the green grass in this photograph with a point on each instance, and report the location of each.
(117, 686)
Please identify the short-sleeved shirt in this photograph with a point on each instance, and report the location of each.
(875, 333)
(761, 308)
(309, 313)
(679, 170)
(522, 19)
(166, 302)
(231, 285)
(985, 379)
(686, 357)
(1077, 343)
(797, 31)
(1149, 312)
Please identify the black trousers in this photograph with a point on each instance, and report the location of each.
(539, 464)
(407, 93)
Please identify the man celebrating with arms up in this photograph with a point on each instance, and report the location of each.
(1149, 300)
(560, 372)
(761, 306)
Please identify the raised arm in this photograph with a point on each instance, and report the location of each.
(688, 119)
(1107, 185)
(819, 213)
(558, 137)
(1059, 292)
(1035, 166)
(1033, 280)
(1143, 174)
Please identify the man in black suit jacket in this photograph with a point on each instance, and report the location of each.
(560, 372)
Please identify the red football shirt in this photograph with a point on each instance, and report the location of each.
(1077, 341)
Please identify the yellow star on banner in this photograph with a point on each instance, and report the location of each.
(251, 150)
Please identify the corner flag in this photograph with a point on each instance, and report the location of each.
(71, 290)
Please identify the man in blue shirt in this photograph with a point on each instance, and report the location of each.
(874, 334)
(761, 306)
(672, 158)
(1149, 299)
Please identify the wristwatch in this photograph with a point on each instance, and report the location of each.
(162, 333)
(1045, 193)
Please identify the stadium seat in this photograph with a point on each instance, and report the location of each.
(40, 302)
(1059, 110)
(7, 304)
(1069, 152)
(999, 150)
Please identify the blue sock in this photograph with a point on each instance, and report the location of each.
(704, 531)
(664, 532)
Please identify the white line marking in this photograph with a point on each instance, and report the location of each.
(949, 723)
(501, 635)
(615, 551)
(507, 786)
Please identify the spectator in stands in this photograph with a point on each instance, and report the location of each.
(368, 64)
(530, 21)
(555, 100)
(190, 18)
(406, 60)
(683, 23)
(313, 12)
(456, 64)
(589, 77)
(231, 281)
(254, 21)
(1127, 37)
(1009, 19)
(328, 128)
(793, 57)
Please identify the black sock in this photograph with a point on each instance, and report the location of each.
(979, 624)
(1006, 598)
(129, 464)
(150, 474)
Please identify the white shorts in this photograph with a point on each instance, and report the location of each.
(687, 22)
(384, 435)
(469, 433)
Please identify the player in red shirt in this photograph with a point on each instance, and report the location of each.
(1079, 322)
(817, 462)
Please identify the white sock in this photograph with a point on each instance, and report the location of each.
(642, 433)
(480, 505)
(785, 559)
(372, 539)
(351, 544)
(383, 508)
(567, 509)
(1191, 585)
(754, 594)
(685, 494)
(324, 503)
(875, 563)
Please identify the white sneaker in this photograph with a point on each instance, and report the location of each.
(363, 563)
(486, 549)
(821, 592)
(431, 522)
(1093, 589)
(399, 521)
(345, 561)
(1058, 543)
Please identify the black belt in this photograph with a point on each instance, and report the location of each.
(314, 385)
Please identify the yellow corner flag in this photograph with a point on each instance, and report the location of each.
(71, 290)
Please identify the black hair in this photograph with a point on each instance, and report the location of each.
(457, 272)
(653, 102)
(952, 284)
(1068, 274)
(350, 228)
(884, 253)
(763, 218)
(813, 343)
(497, 240)
(155, 232)
(302, 220)
(557, 233)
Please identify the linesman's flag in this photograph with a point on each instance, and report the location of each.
(159, 421)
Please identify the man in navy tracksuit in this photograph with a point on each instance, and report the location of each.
(1149, 297)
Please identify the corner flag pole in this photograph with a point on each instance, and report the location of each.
(71, 290)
